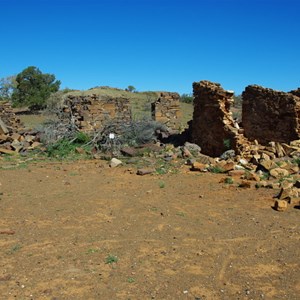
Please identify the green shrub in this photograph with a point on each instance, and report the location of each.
(64, 148)
(228, 180)
(216, 169)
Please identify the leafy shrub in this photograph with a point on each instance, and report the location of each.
(67, 148)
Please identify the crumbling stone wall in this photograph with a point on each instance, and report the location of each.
(91, 113)
(269, 115)
(8, 117)
(213, 127)
(296, 92)
(166, 110)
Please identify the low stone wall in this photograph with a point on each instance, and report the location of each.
(213, 127)
(166, 110)
(8, 117)
(91, 113)
(269, 115)
(13, 137)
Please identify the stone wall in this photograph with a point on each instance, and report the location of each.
(91, 113)
(269, 115)
(213, 127)
(8, 117)
(14, 137)
(166, 110)
(296, 92)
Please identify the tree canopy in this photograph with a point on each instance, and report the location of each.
(7, 85)
(131, 88)
(33, 88)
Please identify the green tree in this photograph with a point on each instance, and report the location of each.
(34, 88)
(131, 88)
(7, 86)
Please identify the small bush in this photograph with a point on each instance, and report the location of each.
(228, 180)
(216, 169)
(66, 148)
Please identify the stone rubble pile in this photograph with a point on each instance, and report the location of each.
(13, 137)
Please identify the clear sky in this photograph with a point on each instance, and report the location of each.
(154, 44)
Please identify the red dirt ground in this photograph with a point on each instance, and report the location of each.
(81, 230)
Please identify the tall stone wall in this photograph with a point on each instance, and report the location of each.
(166, 110)
(91, 113)
(269, 115)
(213, 127)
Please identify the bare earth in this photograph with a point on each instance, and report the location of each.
(81, 230)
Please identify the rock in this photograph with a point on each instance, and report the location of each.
(204, 159)
(3, 128)
(288, 193)
(236, 173)
(193, 148)
(227, 166)
(245, 184)
(35, 145)
(286, 184)
(190, 161)
(262, 183)
(115, 162)
(186, 153)
(266, 165)
(243, 162)
(251, 176)
(238, 167)
(288, 149)
(279, 172)
(17, 145)
(280, 205)
(227, 155)
(7, 151)
(196, 166)
(279, 150)
(145, 171)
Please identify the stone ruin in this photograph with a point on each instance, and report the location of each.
(91, 113)
(269, 115)
(166, 110)
(9, 122)
(270, 124)
(13, 136)
(213, 127)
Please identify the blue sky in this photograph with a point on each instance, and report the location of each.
(154, 44)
